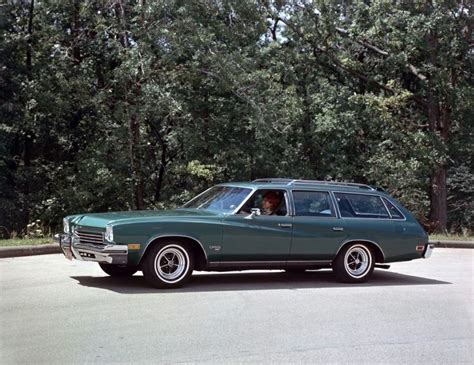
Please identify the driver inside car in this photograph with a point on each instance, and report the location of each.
(270, 203)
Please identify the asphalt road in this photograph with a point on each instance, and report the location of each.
(56, 311)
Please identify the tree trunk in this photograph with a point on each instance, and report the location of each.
(439, 122)
(310, 151)
(28, 140)
(161, 173)
(438, 197)
(75, 29)
(132, 91)
(439, 118)
(29, 47)
(137, 178)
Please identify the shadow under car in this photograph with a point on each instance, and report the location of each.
(262, 280)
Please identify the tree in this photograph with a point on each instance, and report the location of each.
(414, 56)
(132, 105)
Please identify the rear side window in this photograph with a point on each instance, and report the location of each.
(313, 203)
(361, 206)
(394, 212)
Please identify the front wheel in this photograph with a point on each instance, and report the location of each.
(118, 270)
(354, 264)
(168, 265)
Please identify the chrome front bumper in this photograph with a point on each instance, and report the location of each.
(428, 250)
(107, 253)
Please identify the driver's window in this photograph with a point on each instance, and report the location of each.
(269, 201)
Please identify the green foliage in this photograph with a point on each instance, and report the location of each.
(125, 106)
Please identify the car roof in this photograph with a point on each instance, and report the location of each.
(304, 184)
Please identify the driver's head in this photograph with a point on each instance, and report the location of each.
(271, 200)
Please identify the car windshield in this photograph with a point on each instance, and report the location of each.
(219, 198)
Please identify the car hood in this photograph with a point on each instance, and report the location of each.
(100, 220)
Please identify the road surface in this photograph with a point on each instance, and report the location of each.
(59, 312)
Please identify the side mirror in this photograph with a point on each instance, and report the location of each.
(253, 212)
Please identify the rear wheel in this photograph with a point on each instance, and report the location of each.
(118, 270)
(354, 264)
(168, 264)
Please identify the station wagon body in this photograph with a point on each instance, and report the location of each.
(350, 228)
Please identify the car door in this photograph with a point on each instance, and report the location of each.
(317, 232)
(257, 238)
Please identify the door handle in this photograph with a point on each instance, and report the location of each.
(338, 229)
(285, 225)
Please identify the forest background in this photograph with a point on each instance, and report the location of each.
(122, 105)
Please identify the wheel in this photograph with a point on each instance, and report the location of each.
(118, 270)
(354, 264)
(168, 264)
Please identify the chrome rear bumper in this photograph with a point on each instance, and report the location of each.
(428, 250)
(107, 253)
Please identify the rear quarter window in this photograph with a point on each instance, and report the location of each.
(361, 206)
(394, 211)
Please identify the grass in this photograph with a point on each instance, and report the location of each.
(26, 242)
(450, 237)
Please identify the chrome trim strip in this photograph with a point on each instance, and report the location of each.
(334, 200)
(360, 240)
(290, 182)
(308, 261)
(247, 262)
(147, 244)
(289, 207)
(240, 265)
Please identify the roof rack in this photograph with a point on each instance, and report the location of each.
(319, 182)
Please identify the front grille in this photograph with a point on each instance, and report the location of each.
(96, 238)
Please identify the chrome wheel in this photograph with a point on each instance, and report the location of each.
(357, 260)
(354, 264)
(171, 263)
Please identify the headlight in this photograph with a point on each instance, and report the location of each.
(109, 233)
(66, 225)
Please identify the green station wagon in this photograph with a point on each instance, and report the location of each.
(285, 224)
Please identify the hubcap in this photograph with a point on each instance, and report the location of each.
(357, 261)
(171, 263)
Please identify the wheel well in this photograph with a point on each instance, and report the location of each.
(378, 253)
(200, 260)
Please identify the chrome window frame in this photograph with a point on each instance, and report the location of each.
(243, 201)
(334, 213)
(391, 216)
(334, 192)
(289, 212)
